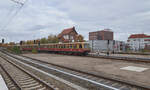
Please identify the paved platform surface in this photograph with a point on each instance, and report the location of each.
(125, 55)
(2, 84)
(99, 65)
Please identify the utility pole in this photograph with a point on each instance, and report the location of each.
(108, 47)
(92, 46)
(139, 45)
(113, 46)
(2, 41)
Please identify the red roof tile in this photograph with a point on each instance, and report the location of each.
(139, 36)
(147, 40)
(67, 31)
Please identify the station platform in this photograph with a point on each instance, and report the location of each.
(3, 85)
(133, 72)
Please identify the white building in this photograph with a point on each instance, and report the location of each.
(104, 45)
(138, 41)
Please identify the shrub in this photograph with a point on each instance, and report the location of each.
(34, 50)
(16, 50)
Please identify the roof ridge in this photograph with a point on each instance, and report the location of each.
(139, 36)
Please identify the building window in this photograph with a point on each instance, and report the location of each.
(66, 37)
(71, 37)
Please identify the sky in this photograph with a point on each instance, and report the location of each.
(40, 18)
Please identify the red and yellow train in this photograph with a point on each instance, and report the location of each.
(76, 48)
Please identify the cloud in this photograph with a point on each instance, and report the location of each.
(39, 19)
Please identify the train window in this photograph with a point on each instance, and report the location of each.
(75, 46)
(34, 46)
(46, 46)
(56, 46)
(80, 45)
(86, 45)
(70, 46)
(67, 46)
(64, 46)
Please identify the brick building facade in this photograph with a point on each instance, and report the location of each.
(105, 34)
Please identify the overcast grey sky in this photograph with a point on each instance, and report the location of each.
(39, 18)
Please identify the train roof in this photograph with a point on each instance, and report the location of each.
(53, 44)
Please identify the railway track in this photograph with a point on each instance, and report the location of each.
(18, 78)
(12, 85)
(83, 79)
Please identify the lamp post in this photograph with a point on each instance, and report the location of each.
(139, 45)
(108, 47)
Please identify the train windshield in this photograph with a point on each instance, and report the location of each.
(86, 45)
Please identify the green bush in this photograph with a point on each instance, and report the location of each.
(145, 50)
(34, 50)
(16, 50)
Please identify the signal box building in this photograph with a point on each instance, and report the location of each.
(68, 35)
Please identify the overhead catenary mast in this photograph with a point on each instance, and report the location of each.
(19, 3)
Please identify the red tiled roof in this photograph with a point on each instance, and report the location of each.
(139, 36)
(66, 31)
(147, 40)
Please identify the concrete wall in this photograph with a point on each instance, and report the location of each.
(102, 45)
